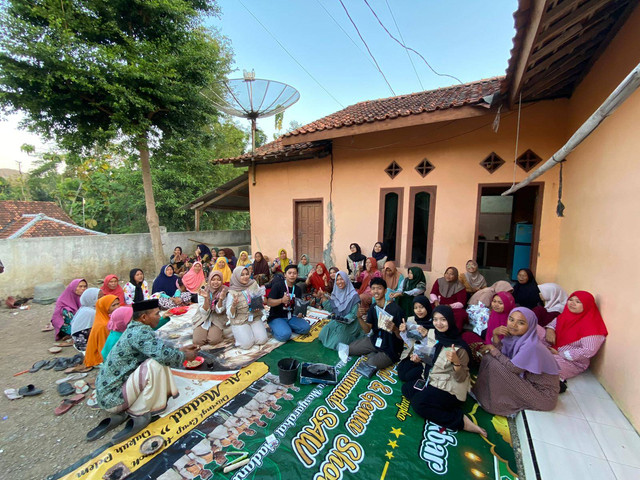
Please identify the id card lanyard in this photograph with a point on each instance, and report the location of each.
(378, 343)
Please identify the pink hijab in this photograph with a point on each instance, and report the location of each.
(120, 318)
(68, 301)
(193, 280)
(499, 319)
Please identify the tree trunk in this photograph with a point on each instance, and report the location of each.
(152, 215)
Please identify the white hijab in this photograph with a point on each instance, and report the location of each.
(555, 298)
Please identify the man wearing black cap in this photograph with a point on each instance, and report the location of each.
(136, 378)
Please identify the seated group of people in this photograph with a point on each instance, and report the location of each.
(382, 315)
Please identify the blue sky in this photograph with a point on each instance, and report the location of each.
(469, 39)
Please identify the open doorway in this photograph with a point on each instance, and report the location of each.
(507, 230)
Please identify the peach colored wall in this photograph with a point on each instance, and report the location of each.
(454, 148)
(599, 235)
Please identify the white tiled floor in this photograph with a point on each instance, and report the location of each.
(585, 437)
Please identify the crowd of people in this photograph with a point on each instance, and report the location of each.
(527, 339)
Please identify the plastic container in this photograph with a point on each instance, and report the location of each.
(288, 371)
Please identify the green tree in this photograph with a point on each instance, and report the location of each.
(87, 73)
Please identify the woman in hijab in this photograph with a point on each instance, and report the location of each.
(576, 335)
(304, 267)
(165, 282)
(83, 319)
(344, 326)
(485, 296)
(243, 259)
(261, 271)
(394, 279)
(67, 305)
(554, 298)
(105, 306)
(440, 393)
(223, 267)
(379, 253)
(472, 279)
(417, 325)
(202, 254)
(525, 291)
(194, 278)
(449, 290)
(415, 284)
(371, 271)
(110, 286)
(231, 257)
(177, 260)
(117, 324)
(208, 328)
(518, 372)
(319, 280)
(280, 263)
(355, 261)
(136, 289)
(247, 320)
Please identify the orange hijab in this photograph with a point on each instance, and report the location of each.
(99, 332)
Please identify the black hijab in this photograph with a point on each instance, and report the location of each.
(528, 294)
(357, 256)
(381, 254)
(452, 336)
(427, 321)
(138, 296)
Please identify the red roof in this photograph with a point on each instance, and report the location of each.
(37, 219)
(404, 105)
(274, 151)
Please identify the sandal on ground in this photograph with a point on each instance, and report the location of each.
(92, 402)
(65, 389)
(78, 369)
(67, 403)
(29, 391)
(66, 343)
(38, 365)
(50, 364)
(106, 425)
(63, 364)
(12, 393)
(133, 426)
(48, 328)
(81, 386)
(71, 378)
(55, 349)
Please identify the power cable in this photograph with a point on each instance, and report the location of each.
(289, 53)
(408, 48)
(406, 51)
(367, 47)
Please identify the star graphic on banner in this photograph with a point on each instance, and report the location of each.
(392, 443)
(389, 455)
(397, 432)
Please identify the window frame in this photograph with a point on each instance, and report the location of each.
(383, 192)
(413, 191)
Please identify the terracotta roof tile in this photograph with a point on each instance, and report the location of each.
(275, 150)
(38, 219)
(12, 210)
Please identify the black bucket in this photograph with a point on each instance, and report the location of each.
(288, 370)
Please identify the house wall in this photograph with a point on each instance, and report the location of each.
(601, 228)
(31, 261)
(454, 148)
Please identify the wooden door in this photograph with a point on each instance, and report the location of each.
(308, 230)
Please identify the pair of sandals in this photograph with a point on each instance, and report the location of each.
(58, 364)
(132, 426)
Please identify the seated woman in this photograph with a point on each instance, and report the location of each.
(318, 281)
(110, 286)
(393, 277)
(246, 319)
(243, 259)
(209, 324)
(136, 289)
(105, 306)
(415, 284)
(117, 324)
(379, 253)
(364, 279)
(442, 389)
(304, 268)
(448, 290)
(485, 296)
(355, 262)
(178, 260)
(194, 278)
(137, 378)
(333, 271)
(261, 272)
(343, 303)
(165, 282)
(525, 291)
(231, 257)
(554, 298)
(472, 279)
(576, 335)
(223, 266)
(83, 319)
(518, 372)
(202, 254)
(281, 262)
(67, 305)
(410, 367)
(181, 297)
(483, 327)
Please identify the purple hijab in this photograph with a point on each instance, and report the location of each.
(68, 301)
(527, 351)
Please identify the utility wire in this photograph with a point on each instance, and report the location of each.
(347, 34)
(402, 38)
(408, 48)
(289, 53)
(367, 47)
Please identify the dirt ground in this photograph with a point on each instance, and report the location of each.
(34, 442)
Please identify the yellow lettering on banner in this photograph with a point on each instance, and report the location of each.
(314, 331)
(386, 374)
(186, 418)
(312, 438)
(344, 455)
(343, 389)
(403, 409)
(361, 416)
(376, 386)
